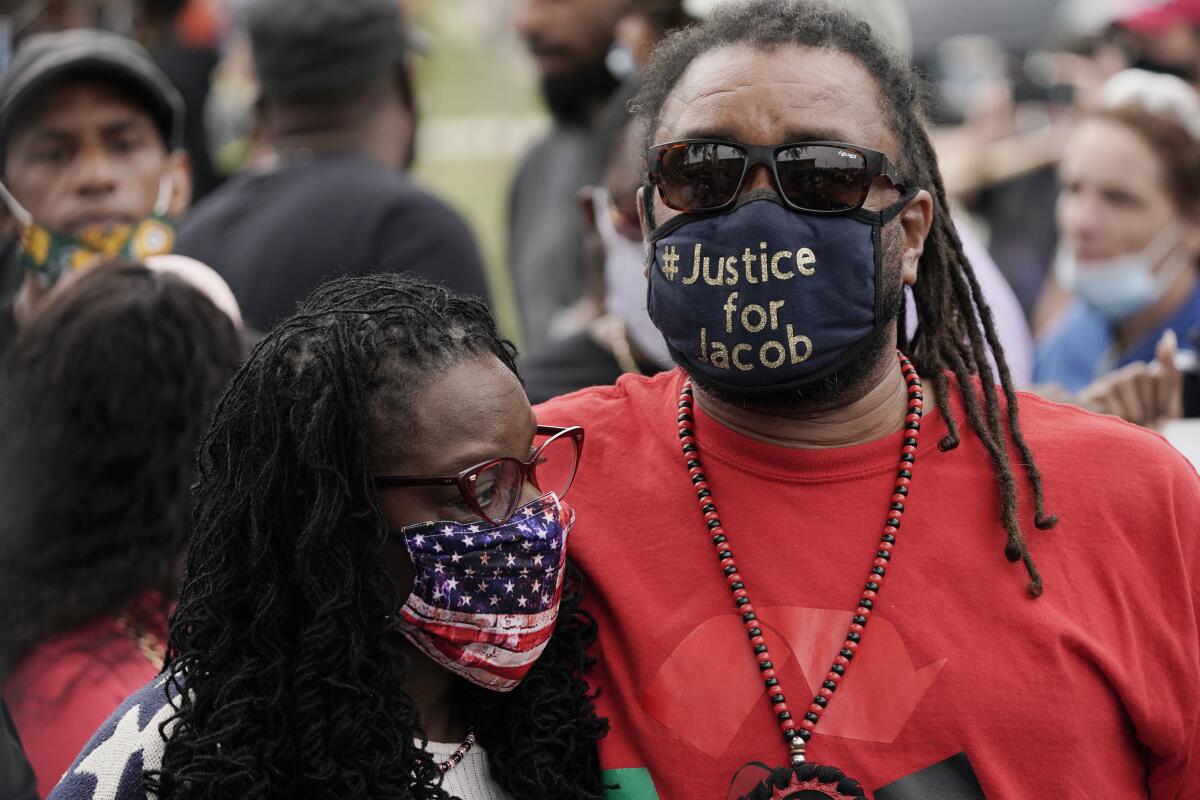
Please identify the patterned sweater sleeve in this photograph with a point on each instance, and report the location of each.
(130, 742)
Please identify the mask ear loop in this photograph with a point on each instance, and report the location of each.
(1163, 244)
(1165, 279)
(15, 208)
(162, 203)
(648, 206)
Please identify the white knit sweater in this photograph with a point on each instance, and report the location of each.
(471, 779)
(131, 735)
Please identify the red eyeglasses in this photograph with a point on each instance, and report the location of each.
(493, 488)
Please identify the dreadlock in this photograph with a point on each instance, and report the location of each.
(102, 400)
(955, 330)
(284, 641)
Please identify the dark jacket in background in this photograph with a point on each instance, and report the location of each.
(571, 364)
(275, 235)
(190, 70)
(545, 232)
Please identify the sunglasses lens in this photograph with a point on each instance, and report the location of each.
(823, 177)
(700, 175)
(498, 489)
(554, 469)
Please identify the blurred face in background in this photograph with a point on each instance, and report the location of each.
(565, 35)
(569, 40)
(86, 155)
(1114, 200)
(1174, 50)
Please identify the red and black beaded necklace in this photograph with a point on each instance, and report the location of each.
(801, 775)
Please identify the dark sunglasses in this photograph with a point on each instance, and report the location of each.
(817, 177)
(493, 488)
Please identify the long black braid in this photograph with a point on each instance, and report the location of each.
(956, 329)
(284, 642)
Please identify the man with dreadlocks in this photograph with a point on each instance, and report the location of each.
(798, 544)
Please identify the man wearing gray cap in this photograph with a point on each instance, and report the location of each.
(337, 108)
(90, 160)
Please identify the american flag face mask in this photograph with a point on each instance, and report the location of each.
(486, 597)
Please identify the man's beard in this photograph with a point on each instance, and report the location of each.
(862, 362)
(574, 97)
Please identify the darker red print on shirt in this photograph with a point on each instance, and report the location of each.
(872, 704)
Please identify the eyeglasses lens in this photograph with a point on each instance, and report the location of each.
(822, 177)
(554, 469)
(498, 489)
(701, 175)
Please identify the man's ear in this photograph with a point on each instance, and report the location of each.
(915, 220)
(584, 201)
(179, 168)
(643, 199)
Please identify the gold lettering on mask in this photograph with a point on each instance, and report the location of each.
(720, 356)
(737, 348)
(775, 259)
(756, 268)
(729, 308)
(775, 306)
(719, 277)
(760, 312)
(804, 257)
(792, 348)
(748, 260)
(695, 276)
(670, 262)
(795, 339)
(772, 363)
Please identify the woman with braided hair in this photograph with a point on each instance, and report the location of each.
(376, 601)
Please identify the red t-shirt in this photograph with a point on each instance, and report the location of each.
(1093, 690)
(65, 688)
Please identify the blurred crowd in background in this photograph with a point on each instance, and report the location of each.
(511, 109)
(487, 144)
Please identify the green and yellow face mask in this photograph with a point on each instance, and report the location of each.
(49, 254)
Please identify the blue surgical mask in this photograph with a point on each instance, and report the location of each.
(763, 297)
(1121, 286)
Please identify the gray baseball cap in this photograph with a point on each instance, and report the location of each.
(46, 58)
(315, 50)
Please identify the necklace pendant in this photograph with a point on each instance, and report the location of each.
(800, 781)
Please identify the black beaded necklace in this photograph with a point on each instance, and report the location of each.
(826, 781)
(459, 754)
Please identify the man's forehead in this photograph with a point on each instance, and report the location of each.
(74, 100)
(773, 96)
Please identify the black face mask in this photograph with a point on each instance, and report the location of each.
(763, 298)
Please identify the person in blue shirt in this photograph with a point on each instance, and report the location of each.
(1129, 218)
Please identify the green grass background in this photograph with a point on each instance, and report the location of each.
(480, 110)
